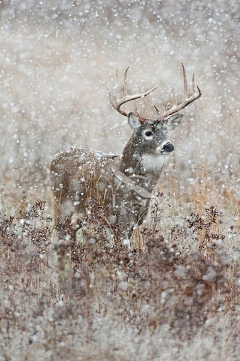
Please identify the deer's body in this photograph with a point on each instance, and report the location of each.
(115, 189)
(122, 183)
(80, 176)
(85, 180)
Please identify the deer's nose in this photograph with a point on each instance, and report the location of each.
(168, 147)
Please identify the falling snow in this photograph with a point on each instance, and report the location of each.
(58, 59)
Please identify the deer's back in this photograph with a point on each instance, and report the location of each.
(78, 173)
(83, 180)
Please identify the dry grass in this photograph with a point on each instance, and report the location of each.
(174, 294)
(65, 300)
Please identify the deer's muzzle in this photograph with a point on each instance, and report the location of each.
(166, 147)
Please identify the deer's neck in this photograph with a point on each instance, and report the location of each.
(134, 162)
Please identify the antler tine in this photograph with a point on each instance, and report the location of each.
(184, 80)
(187, 101)
(125, 82)
(157, 110)
(193, 83)
(117, 103)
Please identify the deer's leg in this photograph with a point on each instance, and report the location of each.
(136, 215)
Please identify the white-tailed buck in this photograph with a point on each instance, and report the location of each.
(115, 190)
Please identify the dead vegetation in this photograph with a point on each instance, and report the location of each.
(57, 297)
(174, 293)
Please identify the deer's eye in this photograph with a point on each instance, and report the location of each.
(148, 134)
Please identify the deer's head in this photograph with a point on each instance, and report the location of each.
(150, 135)
(152, 132)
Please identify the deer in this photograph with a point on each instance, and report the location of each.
(115, 188)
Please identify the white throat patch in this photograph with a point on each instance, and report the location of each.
(152, 162)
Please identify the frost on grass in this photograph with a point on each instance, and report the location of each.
(175, 298)
(97, 299)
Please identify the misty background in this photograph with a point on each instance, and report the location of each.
(58, 57)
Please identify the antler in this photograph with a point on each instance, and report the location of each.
(117, 103)
(184, 103)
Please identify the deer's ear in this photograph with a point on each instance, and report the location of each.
(133, 121)
(171, 122)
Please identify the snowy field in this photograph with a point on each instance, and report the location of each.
(175, 296)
